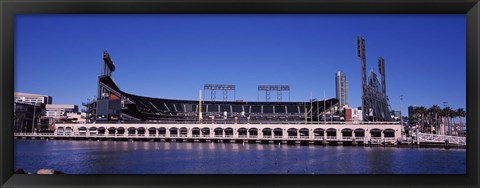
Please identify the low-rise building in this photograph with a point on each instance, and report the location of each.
(32, 98)
(63, 113)
(28, 118)
(353, 114)
(59, 110)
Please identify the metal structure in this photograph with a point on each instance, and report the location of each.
(278, 88)
(375, 105)
(214, 87)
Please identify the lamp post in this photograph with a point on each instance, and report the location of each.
(324, 120)
(401, 118)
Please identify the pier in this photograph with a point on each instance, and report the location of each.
(319, 134)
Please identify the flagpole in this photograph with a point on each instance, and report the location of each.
(324, 120)
(318, 114)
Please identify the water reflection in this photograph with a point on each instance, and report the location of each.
(109, 157)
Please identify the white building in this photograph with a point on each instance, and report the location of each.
(58, 110)
(353, 114)
(32, 98)
(63, 113)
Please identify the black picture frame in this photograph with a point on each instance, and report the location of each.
(9, 8)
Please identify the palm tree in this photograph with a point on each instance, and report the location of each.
(423, 112)
(416, 111)
(420, 113)
(447, 112)
(432, 113)
(443, 124)
(435, 110)
(461, 113)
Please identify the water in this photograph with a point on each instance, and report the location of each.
(109, 157)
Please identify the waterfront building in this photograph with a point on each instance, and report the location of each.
(75, 117)
(58, 111)
(115, 105)
(32, 98)
(63, 113)
(28, 117)
(118, 115)
(353, 114)
(341, 88)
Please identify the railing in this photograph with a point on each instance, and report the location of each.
(359, 138)
(253, 122)
(423, 137)
(373, 140)
(376, 140)
(390, 139)
(34, 134)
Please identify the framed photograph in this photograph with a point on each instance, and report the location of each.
(264, 93)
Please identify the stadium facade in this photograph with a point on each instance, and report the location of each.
(114, 105)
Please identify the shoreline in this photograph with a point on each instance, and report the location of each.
(240, 141)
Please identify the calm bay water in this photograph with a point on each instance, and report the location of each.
(109, 157)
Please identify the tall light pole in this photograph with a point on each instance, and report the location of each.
(401, 117)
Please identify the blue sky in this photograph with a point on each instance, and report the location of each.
(172, 56)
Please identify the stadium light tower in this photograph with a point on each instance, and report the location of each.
(214, 87)
(278, 88)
